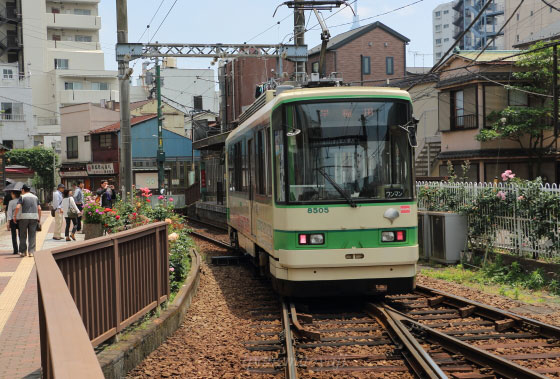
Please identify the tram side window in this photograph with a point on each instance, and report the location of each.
(245, 167)
(261, 163)
(238, 164)
(268, 166)
(231, 168)
(279, 165)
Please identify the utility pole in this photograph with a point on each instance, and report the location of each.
(160, 152)
(555, 92)
(299, 37)
(124, 89)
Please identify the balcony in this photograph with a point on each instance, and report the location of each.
(72, 21)
(86, 96)
(468, 121)
(11, 117)
(80, 1)
(72, 45)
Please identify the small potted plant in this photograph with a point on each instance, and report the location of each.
(93, 220)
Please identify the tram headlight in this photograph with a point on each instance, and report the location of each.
(388, 236)
(393, 236)
(316, 239)
(311, 239)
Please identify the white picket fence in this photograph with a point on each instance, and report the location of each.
(512, 229)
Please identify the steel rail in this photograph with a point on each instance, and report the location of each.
(213, 240)
(492, 313)
(291, 366)
(419, 360)
(300, 330)
(471, 353)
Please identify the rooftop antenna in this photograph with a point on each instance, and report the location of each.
(356, 21)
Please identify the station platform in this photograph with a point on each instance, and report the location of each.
(211, 211)
(20, 354)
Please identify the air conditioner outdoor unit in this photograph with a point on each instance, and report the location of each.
(447, 236)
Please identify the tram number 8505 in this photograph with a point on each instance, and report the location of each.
(317, 210)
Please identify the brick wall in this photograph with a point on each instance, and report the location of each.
(346, 59)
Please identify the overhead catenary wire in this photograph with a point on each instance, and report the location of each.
(150, 23)
(163, 21)
(550, 5)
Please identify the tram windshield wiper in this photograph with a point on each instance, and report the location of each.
(337, 187)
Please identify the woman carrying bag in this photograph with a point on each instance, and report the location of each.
(70, 212)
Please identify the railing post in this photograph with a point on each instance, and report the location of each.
(117, 285)
(158, 265)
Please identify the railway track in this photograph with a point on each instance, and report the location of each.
(425, 334)
(206, 235)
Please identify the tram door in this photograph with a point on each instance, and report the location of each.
(252, 186)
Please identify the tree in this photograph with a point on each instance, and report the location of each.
(528, 126)
(39, 160)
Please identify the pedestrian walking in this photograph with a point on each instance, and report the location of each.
(11, 225)
(79, 199)
(28, 216)
(70, 212)
(57, 207)
(107, 194)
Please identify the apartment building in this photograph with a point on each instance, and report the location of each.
(487, 27)
(533, 21)
(64, 59)
(16, 114)
(442, 29)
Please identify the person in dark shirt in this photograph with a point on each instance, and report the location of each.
(107, 194)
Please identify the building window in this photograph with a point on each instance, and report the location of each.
(12, 111)
(56, 37)
(61, 64)
(438, 14)
(446, 40)
(438, 41)
(197, 103)
(8, 73)
(446, 12)
(389, 66)
(105, 141)
(446, 26)
(73, 86)
(531, 13)
(517, 38)
(438, 28)
(518, 17)
(315, 67)
(100, 86)
(518, 99)
(438, 55)
(86, 138)
(72, 147)
(366, 65)
(82, 12)
(79, 38)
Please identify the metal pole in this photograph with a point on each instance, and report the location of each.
(160, 152)
(124, 89)
(299, 38)
(555, 92)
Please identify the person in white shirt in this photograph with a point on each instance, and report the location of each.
(70, 212)
(28, 216)
(11, 225)
(58, 214)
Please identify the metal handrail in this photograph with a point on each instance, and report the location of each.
(113, 280)
(66, 351)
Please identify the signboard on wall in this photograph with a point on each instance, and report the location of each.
(73, 174)
(100, 168)
(146, 180)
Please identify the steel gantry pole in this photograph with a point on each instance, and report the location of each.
(299, 37)
(125, 167)
(160, 152)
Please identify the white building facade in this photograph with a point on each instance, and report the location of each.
(17, 126)
(442, 29)
(64, 59)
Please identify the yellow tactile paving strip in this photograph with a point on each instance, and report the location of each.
(6, 274)
(13, 290)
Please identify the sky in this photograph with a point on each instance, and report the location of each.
(239, 21)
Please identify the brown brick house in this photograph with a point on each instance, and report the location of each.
(367, 55)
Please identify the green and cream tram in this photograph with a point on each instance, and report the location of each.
(321, 191)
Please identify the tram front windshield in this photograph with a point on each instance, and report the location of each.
(351, 151)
